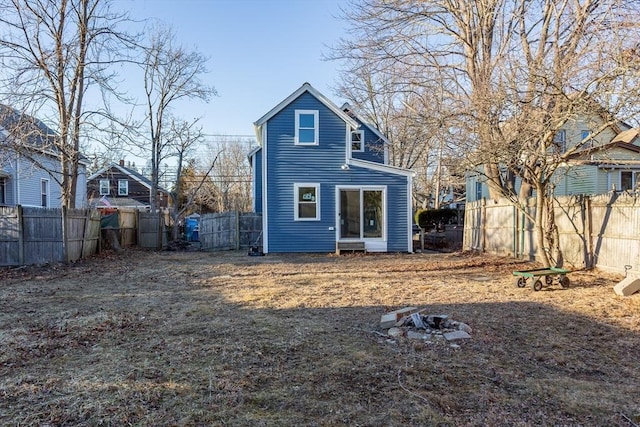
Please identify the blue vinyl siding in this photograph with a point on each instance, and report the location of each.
(289, 163)
(373, 146)
(23, 186)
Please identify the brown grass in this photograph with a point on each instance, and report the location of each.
(217, 339)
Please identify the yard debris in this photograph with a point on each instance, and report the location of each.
(390, 319)
(414, 324)
(628, 286)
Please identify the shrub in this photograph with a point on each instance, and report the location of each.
(428, 219)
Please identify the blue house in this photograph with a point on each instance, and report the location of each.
(30, 176)
(320, 179)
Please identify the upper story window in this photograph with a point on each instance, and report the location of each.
(104, 187)
(44, 193)
(585, 135)
(307, 197)
(357, 138)
(560, 141)
(306, 127)
(123, 187)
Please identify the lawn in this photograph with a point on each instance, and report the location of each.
(192, 339)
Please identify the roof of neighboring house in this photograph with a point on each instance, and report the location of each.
(306, 87)
(127, 171)
(629, 136)
(579, 156)
(117, 202)
(34, 132)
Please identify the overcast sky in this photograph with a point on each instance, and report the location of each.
(260, 52)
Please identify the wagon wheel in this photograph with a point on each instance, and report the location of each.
(521, 282)
(564, 281)
(537, 285)
(548, 280)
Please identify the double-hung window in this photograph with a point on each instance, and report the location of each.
(44, 193)
(123, 187)
(585, 137)
(307, 197)
(306, 127)
(104, 187)
(357, 137)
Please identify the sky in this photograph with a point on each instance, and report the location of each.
(260, 51)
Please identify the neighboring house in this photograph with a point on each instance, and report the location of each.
(30, 176)
(119, 186)
(320, 177)
(607, 161)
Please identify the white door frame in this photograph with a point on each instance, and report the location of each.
(372, 244)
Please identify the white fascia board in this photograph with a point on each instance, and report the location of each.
(289, 99)
(381, 168)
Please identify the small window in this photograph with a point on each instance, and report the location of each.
(3, 197)
(356, 140)
(478, 191)
(44, 193)
(306, 202)
(123, 187)
(306, 127)
(585, 136)
(104, 187)
(560, 141)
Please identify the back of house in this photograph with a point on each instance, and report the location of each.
(320, 178)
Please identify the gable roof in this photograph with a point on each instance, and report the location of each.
(347, 109)
(306, 87)
(127, 171)
(32, 131)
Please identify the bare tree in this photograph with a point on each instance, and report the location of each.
(51, 53)
(513, 73)
(171, 73)
(231, 176)
(185, 137)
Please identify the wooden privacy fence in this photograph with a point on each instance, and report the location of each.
(35, 235)
(230, 231)
(600, 231)
(136, 227)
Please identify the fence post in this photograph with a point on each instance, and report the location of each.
(65, 237)
(483, 224)
(237, 219)
(586, 208)
(20, 235)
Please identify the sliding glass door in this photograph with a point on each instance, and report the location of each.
(361, 213)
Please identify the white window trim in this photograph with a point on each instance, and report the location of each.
(126, 187)
(385, 213)
(614, 179)
(296, 189)
(316, 127)
(44, 183)
(100, 187)
(361, 133)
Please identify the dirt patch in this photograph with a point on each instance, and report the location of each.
(145, 338)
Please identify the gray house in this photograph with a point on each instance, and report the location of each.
(29, 177)
(320, 178)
